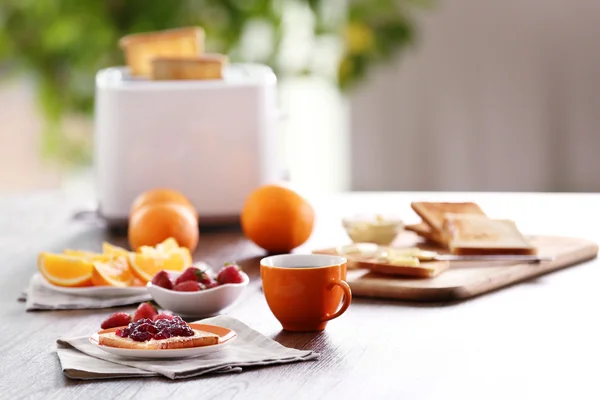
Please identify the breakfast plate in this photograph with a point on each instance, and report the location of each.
(226, 337)
(96, 291)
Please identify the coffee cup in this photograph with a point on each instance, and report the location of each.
(304, 291)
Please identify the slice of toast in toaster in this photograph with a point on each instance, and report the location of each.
(140, 48)
(423, 230)
(206, 66)
(433, 213)
(471, 234)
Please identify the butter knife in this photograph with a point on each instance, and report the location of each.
(373, 250)
(495, 257)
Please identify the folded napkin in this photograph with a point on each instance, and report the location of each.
(82, 360)
(39, 297)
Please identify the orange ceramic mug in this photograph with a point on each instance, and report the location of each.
(304, 291)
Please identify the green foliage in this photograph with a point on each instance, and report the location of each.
(63, 43)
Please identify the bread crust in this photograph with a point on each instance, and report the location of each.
(423, 230)
(140, 48)
(199, 339)
(194, 32)
(429, 269)
(479, 235)
(433, 213)
(207, 66)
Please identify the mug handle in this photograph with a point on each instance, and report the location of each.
(347, 299)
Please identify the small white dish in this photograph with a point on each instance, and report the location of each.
(226, 337)
(377, 228)
(96, 291)
(203, 303)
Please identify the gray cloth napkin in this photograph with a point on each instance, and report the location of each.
(39, 297)
(82, 360)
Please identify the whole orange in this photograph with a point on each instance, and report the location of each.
(152, 224)
(161, 195)
(277, 218)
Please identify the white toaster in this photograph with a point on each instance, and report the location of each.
(215, 141)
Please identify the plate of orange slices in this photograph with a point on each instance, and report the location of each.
(113, 272)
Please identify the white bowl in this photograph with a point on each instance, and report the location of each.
(203, 303)
(377, 228)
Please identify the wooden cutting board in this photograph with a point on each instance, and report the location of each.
(467, 279)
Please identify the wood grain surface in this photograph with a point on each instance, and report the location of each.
(537, 339)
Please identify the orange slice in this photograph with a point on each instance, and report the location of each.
(113, 273)
(145, 266)
(137, 281)
(113, 250)
(81, 253)
(88, 255)
(168, 245)
(65, 270)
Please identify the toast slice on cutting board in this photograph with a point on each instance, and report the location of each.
(423, 230)
(429, 269)
(471, 234)
(199, 339)
(433, 213)
(402, 262)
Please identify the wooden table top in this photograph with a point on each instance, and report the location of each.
(537, 339)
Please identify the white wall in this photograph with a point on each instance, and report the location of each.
(21, 168)
(497, 95)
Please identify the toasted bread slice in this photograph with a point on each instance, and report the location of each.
(207, 66)
(433, 213)
(398, 265)
(141, 48)
(423, 230)
(199, 339)
(476, 234)
(429, 269)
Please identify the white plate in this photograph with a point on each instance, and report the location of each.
(226, 336)
(96, 291)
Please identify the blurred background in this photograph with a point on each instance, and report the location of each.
(477, 95)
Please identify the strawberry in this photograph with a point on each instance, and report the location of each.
(188, 286)
(192, 274)
(211, 285)
(162, 279)
(230, 273)
(205, 279)
(145, 310)
(163, 315)
(115, 320)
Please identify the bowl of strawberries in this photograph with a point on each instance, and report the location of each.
(198, 291)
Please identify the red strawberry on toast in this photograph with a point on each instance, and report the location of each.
(115, 320)
(163, 315)
(145, 310)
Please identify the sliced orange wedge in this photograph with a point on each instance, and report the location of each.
(112, 250)
(112, 273)
(81, 253)
(168, 245)
(65, 270)
(137, 281)
(88, 255)
(145, 266)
